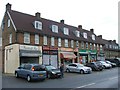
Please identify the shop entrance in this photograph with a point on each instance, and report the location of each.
(29, 60)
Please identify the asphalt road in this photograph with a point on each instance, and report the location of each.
(107, 78)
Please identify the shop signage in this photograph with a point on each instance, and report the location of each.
(49, 48)
(87, 51)
(28, 47)
(66, 49)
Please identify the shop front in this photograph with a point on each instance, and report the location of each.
(50, 56)
(67, 56)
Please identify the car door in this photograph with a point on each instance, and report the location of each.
(26, 71)
(72, 67)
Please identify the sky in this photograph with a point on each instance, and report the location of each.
(101, 15)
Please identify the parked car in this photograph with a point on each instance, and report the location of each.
(105, 65)
(95, 66)
(113, 64)
(116, 61)
(77, 67)
(31, 72)
(52, 72)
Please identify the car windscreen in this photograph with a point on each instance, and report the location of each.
(50, 67)
(39, 68)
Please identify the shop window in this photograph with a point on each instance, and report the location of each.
(26, 38)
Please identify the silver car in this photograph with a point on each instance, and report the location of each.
(77, 67)
(31, 72)
(105, 65)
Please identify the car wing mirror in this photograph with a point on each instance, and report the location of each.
(20, 67)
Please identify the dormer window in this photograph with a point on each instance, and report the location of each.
(38, 25)
(93, 37)
(77, 33)
(85, 35)
(66, 31)
(55, 28)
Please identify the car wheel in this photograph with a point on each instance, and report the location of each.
(67, 70)
(28, 78)
(16, 75)
(81, 71)
(49, 76)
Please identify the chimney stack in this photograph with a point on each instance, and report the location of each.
(100, 36)
(92, 30)
(38, 15)
(80, 26)
(114, 41)
(62, 21)
(8, 6)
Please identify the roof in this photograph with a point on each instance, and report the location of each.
(24, 23)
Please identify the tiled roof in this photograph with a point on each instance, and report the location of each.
(24, 23)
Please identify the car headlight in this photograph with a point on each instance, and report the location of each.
(53, 72)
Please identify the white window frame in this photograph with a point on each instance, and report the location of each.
(77, 43)
(38, 25)
(66, 31)
(36, 39)
(52, 41)
(90, 46)
(97, 47)
(10, 38)
(101, 48)
(94, 46)
(77, 33)
(72, 44)
(26, 38)
(85, 35)
(8, 22)
(59, 42)
(93, 37)
(86, 45)
(66, 42)
(55, 28)
(45, 40)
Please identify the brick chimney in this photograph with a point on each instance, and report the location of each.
(100, 36)
(80, 26)
(62, 21)
(38, 15)
(92, 30)
(8, 6)
(114, 41)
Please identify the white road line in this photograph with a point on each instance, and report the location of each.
(113, 78)
(86, 85)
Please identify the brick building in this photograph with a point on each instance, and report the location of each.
(33, 39)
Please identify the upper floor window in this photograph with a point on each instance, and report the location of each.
(72, 43)
(93, 37)
(26, 38)
(45, 40)
(106, 45)
(90, 46)
(94, 46)
(82, 45)
(85, 35)
(97, 47)
(52, 41)
(55, 28)
(36, 39)
(77, 44)
(66, 31)
(66, 42)
(100, 47)
(0, 41)
(86, 45)
(110, 46)
(59, 42)
(10, 38)
(77, 33)
(8, 22)
(38, 25)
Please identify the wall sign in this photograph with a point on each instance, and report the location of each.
(28, 47)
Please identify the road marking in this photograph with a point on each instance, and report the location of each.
(113, 78)
(86, 85)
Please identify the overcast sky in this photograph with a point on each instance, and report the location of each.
(101, 15)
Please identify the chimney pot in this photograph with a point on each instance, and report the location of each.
(80, 26)
(8, 6)
(92, 30)
(100, 36)
(114, 41)
(38, 15)
(62, 21)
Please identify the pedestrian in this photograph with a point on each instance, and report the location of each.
(62, 70)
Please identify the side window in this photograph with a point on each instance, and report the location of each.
(27, 67)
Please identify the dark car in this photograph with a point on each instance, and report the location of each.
(95, 66)
(31, 72)
(116, 61)
(52, 72)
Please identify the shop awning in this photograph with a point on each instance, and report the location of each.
(68, 55)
